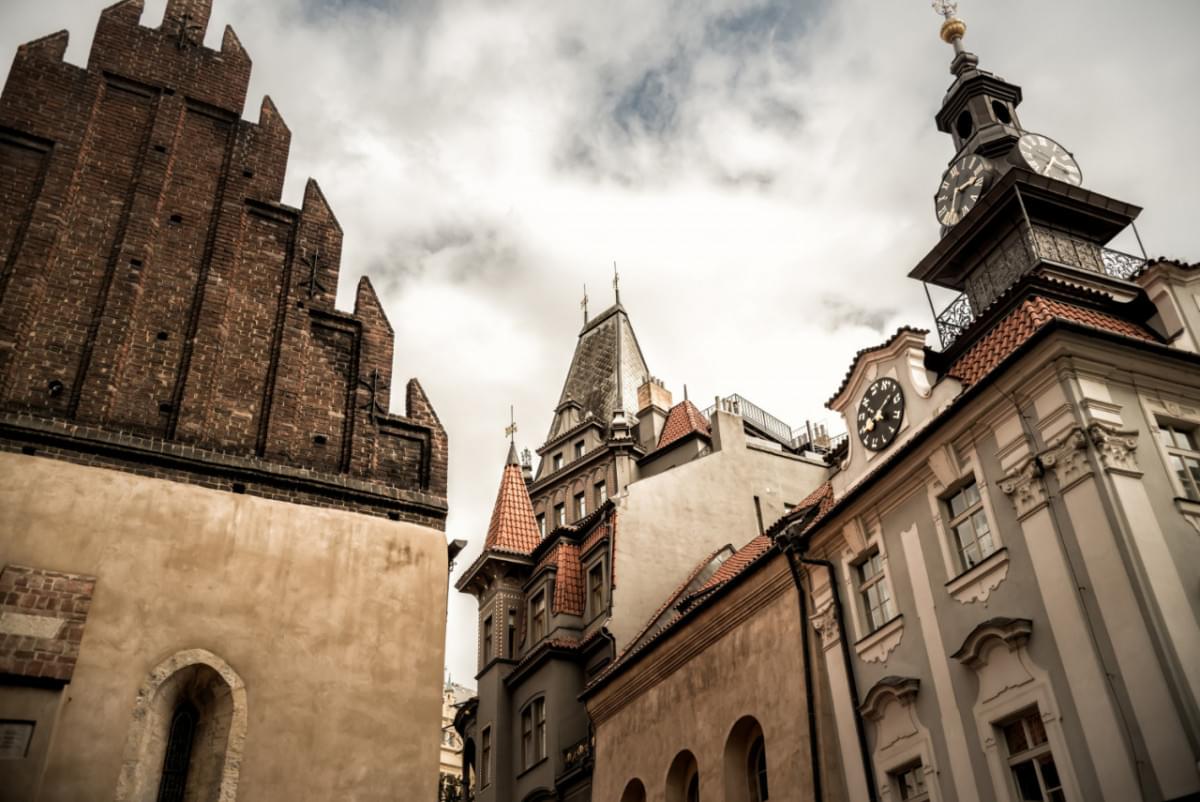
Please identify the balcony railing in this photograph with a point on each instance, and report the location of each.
(958, 314)
(578, 753)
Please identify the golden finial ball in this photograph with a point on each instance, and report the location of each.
(953, 29)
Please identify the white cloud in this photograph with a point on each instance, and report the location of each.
(761, 171)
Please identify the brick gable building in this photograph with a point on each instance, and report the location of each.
(209, 512)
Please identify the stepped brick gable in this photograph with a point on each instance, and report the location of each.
(160, 306)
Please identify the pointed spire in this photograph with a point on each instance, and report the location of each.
(952, 33)
(513, 527)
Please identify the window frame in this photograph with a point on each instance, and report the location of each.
(485, 757)
(917, 769)
(1187, 486)
(556, 463)
(538, 619)
(596, 592)
(864, 585)
(1032, 754)
(541, 523)
(968, 516)
(580, 510)
(560, 514)
(600, 491)
(757, 774)
(580, 449)
(486, 636)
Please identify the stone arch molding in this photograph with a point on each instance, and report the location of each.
(221, 693)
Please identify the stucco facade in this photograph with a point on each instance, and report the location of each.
(314, 610)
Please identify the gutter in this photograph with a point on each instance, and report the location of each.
(814, 748)
(796, 547)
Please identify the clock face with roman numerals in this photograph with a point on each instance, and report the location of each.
(880, 412)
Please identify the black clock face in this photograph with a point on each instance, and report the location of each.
(1046, 157)
(960, 189)
(880, 412)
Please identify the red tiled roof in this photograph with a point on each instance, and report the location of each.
(864, 351)
(683, 419)
(740, 560)
(513, 527)
(813, 508)
(568, 583)
(1020, 324)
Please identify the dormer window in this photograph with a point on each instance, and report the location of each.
(596, 589)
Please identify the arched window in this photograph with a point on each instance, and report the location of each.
(634, 792)
(746, 762)
(179, 753)
(683, 779)
(756, 770)
(188, 732)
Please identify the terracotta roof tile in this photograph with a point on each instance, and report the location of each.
(513, 527)
(1020, 324)
(568, 583)
(683, 419)
(741, 559)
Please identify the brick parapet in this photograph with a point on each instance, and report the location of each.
(153, 286)
(42, 617)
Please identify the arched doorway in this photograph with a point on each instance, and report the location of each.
(634, 791)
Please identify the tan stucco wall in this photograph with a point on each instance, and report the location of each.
(667, 523)
(674, 699)
(334, 621)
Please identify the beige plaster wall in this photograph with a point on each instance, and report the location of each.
(334, 621)
(691, 691)
(667, 523)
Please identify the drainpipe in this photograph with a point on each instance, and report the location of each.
(847, 661)
(814, 748)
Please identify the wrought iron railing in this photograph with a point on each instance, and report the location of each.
(954, 320)
(577, 753)
(958, 315)
(1121, 265)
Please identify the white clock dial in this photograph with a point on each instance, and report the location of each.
(1046, 157)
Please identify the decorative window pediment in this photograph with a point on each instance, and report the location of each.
(1013, 632)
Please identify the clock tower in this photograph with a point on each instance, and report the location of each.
(1013, 207)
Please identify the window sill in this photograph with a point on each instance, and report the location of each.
(875, 647)
(1190, 510)
(978, 582)
(532, 766)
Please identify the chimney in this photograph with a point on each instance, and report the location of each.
(654, 402)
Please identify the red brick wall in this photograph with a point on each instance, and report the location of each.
(152, 284)
(57, 604)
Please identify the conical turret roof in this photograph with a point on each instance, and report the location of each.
(512, 527)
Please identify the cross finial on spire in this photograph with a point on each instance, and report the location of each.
(511, 429)
(583, 304)
(616, 282)
(952, 33)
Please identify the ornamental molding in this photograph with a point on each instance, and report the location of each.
(1068, 457)
(824, 621)
(900, 689)
(1012, 632)
(978, 583)
(877, 646)
(1115, 448)
(1024, 486)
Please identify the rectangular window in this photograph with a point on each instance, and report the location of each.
(527, 759)
(872, 587)
(596, 589)
(910, 783)
(511, 652)
(973, 542)
(537, 617)
(601, 493)
(560, 514)
(579, 449)
(580, 506)
(1183, 456)
(541, 522)
(557, 462)
(539, 728)
(485, 757)
(1033, 771)
(533, 733)
(487, 640)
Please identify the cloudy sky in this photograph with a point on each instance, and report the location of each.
(761, 171)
